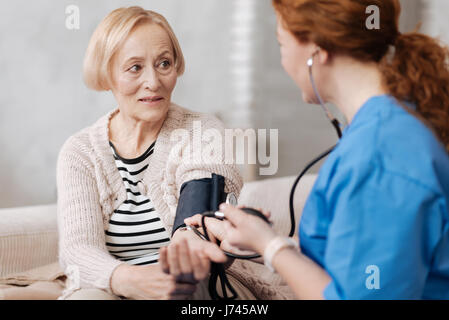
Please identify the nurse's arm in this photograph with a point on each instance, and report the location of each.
(306, 278)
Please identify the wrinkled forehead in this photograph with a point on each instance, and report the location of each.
(148, 40)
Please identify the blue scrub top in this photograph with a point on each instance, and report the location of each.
(377, 217)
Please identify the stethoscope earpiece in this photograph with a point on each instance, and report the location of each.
(310, 62)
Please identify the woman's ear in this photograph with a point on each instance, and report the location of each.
(320, 55)
(323, 56)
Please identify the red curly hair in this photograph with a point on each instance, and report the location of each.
(418, 71)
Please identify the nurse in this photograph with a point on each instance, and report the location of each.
(376, 223)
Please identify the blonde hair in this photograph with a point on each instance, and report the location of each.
(108, 37)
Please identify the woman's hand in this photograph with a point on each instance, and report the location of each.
(188, 257)
(246, 231)
(216, 231)
(148, 283)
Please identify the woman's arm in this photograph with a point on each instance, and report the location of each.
(199, 164)
(82, 249)
(305, 277)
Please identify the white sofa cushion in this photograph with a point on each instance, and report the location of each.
(28, 238)
(274, 194)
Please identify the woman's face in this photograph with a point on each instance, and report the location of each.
(294, 56)
(144, 73)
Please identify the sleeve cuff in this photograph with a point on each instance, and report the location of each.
(331, 292)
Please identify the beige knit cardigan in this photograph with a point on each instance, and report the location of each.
(90, 188)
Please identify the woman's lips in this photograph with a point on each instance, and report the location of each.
(151, 100)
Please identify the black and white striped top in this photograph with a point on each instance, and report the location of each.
(135, 231)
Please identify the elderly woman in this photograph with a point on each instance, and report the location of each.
(119, 179)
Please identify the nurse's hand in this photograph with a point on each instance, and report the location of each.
(246, 231)
(216, 231)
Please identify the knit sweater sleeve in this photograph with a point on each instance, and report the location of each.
(82, 248)
(207, 156)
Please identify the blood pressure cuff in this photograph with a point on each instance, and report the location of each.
(198, 196)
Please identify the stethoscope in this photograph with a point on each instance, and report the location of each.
(335, 123)
(219, 272)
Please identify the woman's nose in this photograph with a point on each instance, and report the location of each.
(151, 80)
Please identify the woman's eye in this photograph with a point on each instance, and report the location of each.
(135, 68)
(165, 64)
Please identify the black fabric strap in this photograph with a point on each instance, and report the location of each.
(198, 196)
